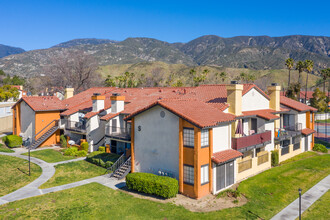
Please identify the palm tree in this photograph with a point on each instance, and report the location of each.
(289, 64)
(309, 64)
(300, 66)
(223, 76)
(325, 75)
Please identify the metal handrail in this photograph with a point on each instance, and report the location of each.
(117, 164)
(56, 124)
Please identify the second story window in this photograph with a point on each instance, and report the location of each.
(188, 137)
(205, 138)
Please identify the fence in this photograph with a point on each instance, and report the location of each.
(244, 165)
(263, 158)
(285, 150)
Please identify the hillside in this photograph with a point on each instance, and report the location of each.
(257, 53)
(8, 50)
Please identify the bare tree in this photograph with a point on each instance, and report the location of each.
(72, 68)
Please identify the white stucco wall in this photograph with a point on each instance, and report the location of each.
(156, 145)
(74, 117)
(269, 126)
(303, 139)
(254, 100)
(95, 132)
(302, 119)
(221, 138)
(27, 121)
(246, 126)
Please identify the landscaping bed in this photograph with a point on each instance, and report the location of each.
(73, 172)
(5, 149)
(102, 159)
(50, 155)
(14, 174)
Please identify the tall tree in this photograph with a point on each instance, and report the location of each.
(289, 63)
(325, 73)
(8, 92)
(222, 76)
(319, 100)
(300, 66)
(309, 64)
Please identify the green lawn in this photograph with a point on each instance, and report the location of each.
(5, 149)
(72, 172)
(320, 209)
(14, 174)
(323, 121)
(300, 157)
(50, 155)
(268, 193)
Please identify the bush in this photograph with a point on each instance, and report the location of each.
(13, 141)
(72, 151)
(101, 149)
(163, 186)
(275, 158)
(64, 143)
(320, 148)
(102, 159)
(84, 146)
(82, 153)
(4, 139)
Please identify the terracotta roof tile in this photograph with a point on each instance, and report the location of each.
(307, 131)
(267, 114)
(296, 105)
(43, 103)
(109, 116)
(225, 155)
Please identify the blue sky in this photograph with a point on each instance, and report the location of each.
(41, 24)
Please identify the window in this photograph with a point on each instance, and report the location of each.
(188, 174)
(205, 138)
(204, 174)
(188, 137)
(114, 125)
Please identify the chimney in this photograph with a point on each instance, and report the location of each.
(98, 102)
(68, 92)
(117, 103)
(274, 94)
(234, 97)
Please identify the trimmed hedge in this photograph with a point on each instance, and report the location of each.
(320, 148)
(84, 146)
(12, 141)
(102, 159)
(163, 186)
(72, 151)
(101, 149)
(275, 158)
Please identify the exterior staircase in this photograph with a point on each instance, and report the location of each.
(44, 134)
(120, 168)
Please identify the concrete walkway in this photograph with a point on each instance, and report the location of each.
(307, 199)
(48, 170)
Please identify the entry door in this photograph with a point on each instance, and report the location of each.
(254, 125)
(221, 178)
(306, 143)
(229, 173)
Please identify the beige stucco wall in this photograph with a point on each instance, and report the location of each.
(255, 168)
(6, 123)
(290, 154)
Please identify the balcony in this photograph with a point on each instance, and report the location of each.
(251, 140)
(118, 133)
(76, 126)
(287, 132)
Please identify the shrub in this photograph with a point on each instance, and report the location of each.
(4, 139)
(72, 151)
(101, 149)
(163, 186)
(64, 143)
(230, 193)
(13, 141)
(102, 159)
(81, 153)
(320, 148)
(84, 146)
(275, 158)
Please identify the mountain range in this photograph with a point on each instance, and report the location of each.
(8, 50)
(252, 52)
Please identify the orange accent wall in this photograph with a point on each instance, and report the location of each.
(132, 147)
(42, 119)
(180, 155)
(117, 98)
(210, 159)
(17, 119)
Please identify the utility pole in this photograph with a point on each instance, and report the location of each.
(29, 163)
(299, 203)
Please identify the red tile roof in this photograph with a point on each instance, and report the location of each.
(296, 105)
(43, 103)
(109, 116)
(225, 155)
(192, 110)
(307, 131)
(267, 114)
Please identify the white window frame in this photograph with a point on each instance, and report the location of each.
(204, 138)
(204, 174)
(188, 137)
(188, 174)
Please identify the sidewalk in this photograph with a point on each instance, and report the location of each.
(307, 199)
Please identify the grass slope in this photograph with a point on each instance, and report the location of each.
(14, 173)
(50, 155)
(268, 193)
(320, 209)
(5, 149)
(72, 172)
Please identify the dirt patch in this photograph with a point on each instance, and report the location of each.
(208, 203)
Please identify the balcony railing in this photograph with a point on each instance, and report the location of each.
(285, 150)
(244, 165)
(77, 126)
(251, 140)
(118, 132)
(288, 131)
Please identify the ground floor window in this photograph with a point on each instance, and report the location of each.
(204, 174)
(188, 174)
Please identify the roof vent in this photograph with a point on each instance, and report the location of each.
(115, 94)
(96, 94)
(234, 82)
(274, 84)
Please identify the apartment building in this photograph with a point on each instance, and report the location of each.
(208, 137)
